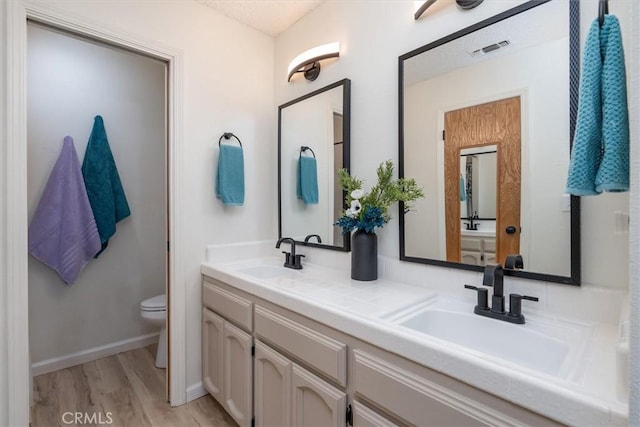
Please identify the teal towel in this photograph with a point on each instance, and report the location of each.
(463, 190)
(600, 153)
(230, 175)
(106, 195)
(307, 182)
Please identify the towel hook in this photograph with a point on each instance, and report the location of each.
(305, 148)
(229, 135)
(603, 9)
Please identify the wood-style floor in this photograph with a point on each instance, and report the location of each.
(126, 389)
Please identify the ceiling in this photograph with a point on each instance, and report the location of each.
(269, 16)
(542, 24)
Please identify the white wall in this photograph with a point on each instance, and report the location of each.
(390, 28)
(4, 408)
(227, 87)
(70, 80)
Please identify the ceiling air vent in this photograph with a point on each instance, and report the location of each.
(490, 48)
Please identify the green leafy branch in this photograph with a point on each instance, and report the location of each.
(386, 192)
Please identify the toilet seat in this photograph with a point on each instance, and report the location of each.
(157, 303)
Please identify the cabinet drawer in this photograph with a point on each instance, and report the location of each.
(416, 399)
(230, 306)
(489, 245)
(365, 417)
(318, 350)
(470, 244)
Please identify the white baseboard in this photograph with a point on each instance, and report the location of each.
(195, 391)
(95, 353)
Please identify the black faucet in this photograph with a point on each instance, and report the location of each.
(291, 260)
(471, 225)
(306, 239)
(494, 277)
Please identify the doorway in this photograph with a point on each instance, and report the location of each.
(494, 123)
(16, 196)
(71, 79)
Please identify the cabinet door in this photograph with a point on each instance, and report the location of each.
(238, 374)
(212, 341)
(272, 379)
(490, 258)
(316, 402)
(471, 257)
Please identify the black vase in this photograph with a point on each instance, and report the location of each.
(364, 256)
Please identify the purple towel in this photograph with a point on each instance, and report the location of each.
(63, 233)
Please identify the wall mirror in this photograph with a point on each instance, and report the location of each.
(313, 143)
(486, 116)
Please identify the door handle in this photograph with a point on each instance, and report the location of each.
(510, 229)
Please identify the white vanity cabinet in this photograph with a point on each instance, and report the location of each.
(272, 387)
(477, 250)
(305, 373)
(313, 401)
(212, 353)
(227, 361)
(287, 394)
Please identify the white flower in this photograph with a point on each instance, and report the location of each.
(356, 194)
(354, 210)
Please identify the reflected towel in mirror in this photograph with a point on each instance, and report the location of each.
(230, 175)
(463, 189)
(307, 185)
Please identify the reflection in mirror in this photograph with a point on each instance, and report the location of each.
(486, 118)
(313, 144)
(478, 183)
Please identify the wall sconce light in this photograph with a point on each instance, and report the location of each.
(308, 62)
(422, 6)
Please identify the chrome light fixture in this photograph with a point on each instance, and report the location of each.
(308, 62)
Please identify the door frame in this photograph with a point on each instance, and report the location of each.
(16, 247)
(451, 169)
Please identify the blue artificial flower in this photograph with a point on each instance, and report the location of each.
(370, 219)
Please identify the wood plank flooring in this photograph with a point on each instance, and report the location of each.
(122, 390)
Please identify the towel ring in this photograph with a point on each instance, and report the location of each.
(228, 135)
(305, 148)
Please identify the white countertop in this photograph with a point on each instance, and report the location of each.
(586, 398)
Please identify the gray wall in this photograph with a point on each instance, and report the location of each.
(70, 80)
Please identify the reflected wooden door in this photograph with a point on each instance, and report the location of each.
(497, 123)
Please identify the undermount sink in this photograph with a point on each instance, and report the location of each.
(547, 347)
(264, 271)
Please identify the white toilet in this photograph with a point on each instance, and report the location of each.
(154, 310)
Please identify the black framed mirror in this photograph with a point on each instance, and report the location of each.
(313, 143)
(507, 84)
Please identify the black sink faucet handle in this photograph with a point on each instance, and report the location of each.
(483, 297)
(297, 261)
(515, 304)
